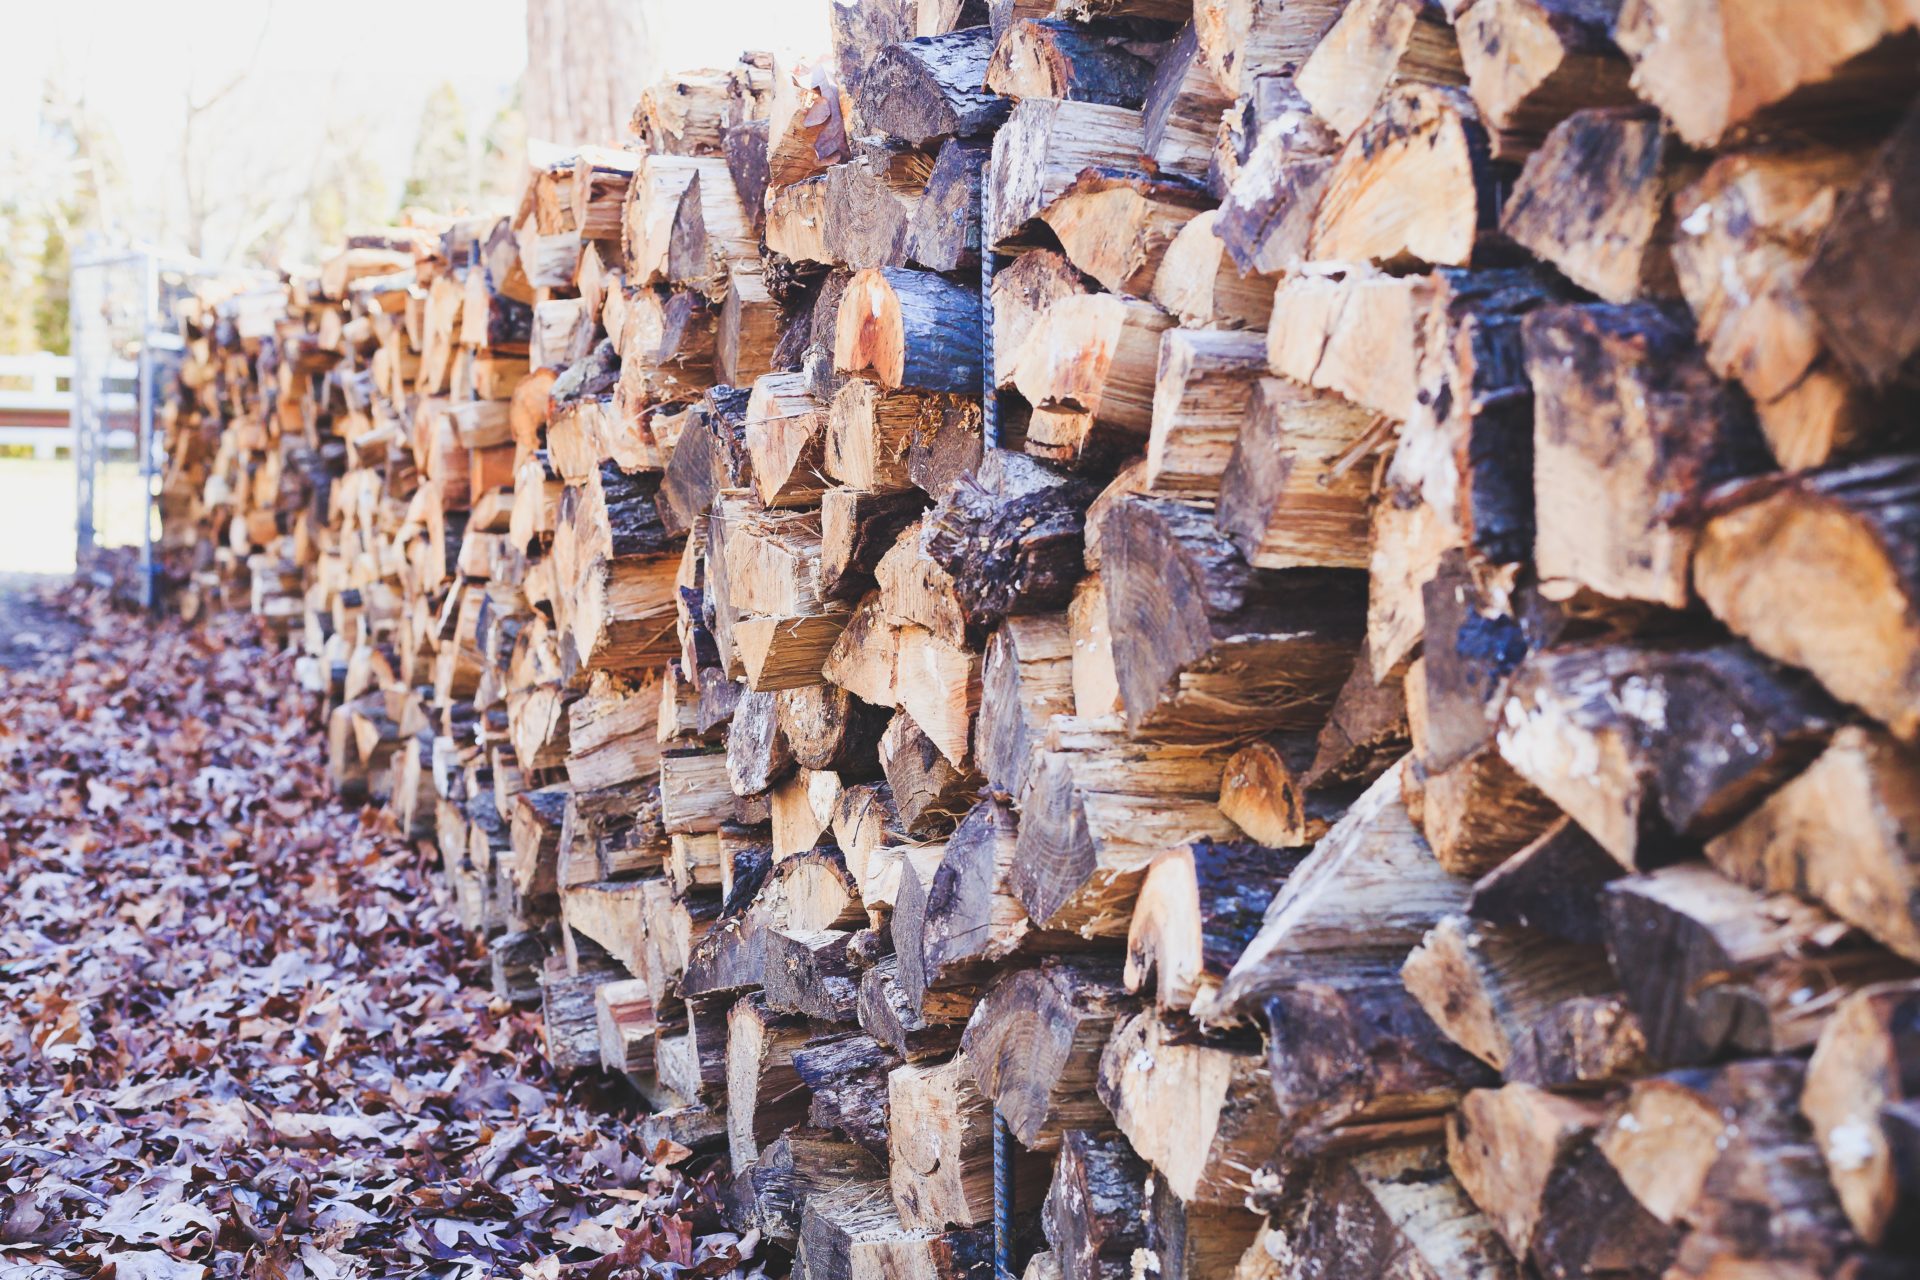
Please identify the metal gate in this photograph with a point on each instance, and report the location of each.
(126, 352)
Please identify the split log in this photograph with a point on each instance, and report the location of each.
(930, 791)
(1203, 1115)
(613, 732)
(1023, 293)
(1744, 236)
(955, 927)
(802, 811)
(889, 1017)
(1089, 372)
(758, 753)
(1711, 71)
(1051, 58)
(1264, 791)
(1480, 812)
(1034, 1045)
(626, 1025)
(786, 441)
(1527, 1158)
(1244, 39)
(828, 728)
(799, 1168)
(1199, 403)
(1290, 494)
(1026, 679)
(932, 87)
(1595, 201)
(765, 1094)
(852, 1232)
(1199, 906)
(695, 792)
(569, 1023)
(1096, 815)
(1267, 213)
(1370, 887)
(1197, 1241)
(940, 1166)
(1096, 689)
(911, 329)
(1616, 484)
(1205, 646)
(1713, 968)
(1414, 185)
(1094, 1211)
(1045, 145)
(1182, 108)
(1355, 332)
(871, 202)
(747, 332)
(1373, 46)
(870, 432)
(1364, 736)
(1199, 284)
(1533, 1009)
(1532, 63)
(1862, 1064)
(1807, 569)
(810, 974)
(1640, 745)
(1844, 833)
(1116, 226)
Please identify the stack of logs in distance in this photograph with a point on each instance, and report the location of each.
(1397, 757)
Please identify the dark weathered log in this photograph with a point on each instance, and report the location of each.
(857, 529)
(1553, 886)
(758, 754)
(1011, 536)
(811, 973)
(1267, 214)
(1392, 1212)
(1199, 907)
(799, 1168)
(945, 232)
(1874, 235)
(1094, 1212)
(1713, 968)
(1864, 1064)
(889, 1017)
(1823, 571)
(1034, 1045)
(932, 87)
(1182, 109)
(1205, 646)
(847, 1074)
(1365, 733)
(1639, 745)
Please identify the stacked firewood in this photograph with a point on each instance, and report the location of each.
(1315, 604)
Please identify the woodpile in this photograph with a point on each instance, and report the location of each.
(1314, 603)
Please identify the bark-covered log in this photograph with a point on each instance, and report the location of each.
(1552, 886)
(1034, 1045)
(1365, 734)
(1875, 233)
(944, 234)
(847, 1074)
(1051, 58)
(932, 87)
(810, 973)
(1182, 108)
(910, 329)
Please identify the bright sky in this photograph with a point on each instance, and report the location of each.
(135, 62)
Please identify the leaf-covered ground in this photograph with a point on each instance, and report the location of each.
(241, 1033)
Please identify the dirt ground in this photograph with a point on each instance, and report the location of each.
(242, 1033)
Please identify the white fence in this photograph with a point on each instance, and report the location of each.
(36, 402)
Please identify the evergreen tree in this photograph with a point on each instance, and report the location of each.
(441, 175)
(503, 157)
